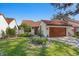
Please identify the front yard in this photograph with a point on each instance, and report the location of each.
(23, 47)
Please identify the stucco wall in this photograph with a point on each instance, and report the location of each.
(75, 25)
(77, 30)
(70, 31)
(44, 31)
(3, 24)
(13, 24)
(32, 31)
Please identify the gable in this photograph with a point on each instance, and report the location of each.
(9, 20)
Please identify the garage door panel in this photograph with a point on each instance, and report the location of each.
(57, 31)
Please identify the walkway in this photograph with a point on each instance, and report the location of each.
(68, 40)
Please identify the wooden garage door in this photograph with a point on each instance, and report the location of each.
(57, 32)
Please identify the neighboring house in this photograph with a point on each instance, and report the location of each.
(7, 22)
(34, 26)
(12, 23)
(55, 28)
(3, 24)
(74, 23)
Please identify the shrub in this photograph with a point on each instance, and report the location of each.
(39, 40)
(10, 32)
(25, 27)
(24, 35)
(76, 34)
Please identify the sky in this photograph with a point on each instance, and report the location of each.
(28, 11)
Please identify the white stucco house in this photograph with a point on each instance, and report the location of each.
(7, 22)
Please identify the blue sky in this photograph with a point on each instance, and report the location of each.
(28, 11)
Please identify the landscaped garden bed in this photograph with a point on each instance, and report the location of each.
(23, 47)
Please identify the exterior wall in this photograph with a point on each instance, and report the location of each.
(21, 31)
(3, 24)
(70, 31)
(44, 30)
(32, 31)
(75, 26)
(77, 29)
(13, 24)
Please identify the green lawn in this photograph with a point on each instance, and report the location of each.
(21, 47)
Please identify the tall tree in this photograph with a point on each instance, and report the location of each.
(65, 6)
(60, 16)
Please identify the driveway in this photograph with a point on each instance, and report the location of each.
(68, 40)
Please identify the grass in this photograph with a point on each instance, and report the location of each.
(21, 47)
(61, 49)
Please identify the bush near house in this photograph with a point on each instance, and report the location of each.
(24, 35)
(38, 40)
(10, 32)
(25, 27)
(76, 34)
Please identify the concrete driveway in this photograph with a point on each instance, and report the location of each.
(68, 40)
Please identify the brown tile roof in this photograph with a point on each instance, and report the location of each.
(74, 23)
(56, 22)
(31, 23)
(9, 20)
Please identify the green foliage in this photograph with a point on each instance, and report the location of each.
(25, 27)
(38, 40)
(24, 35)
(22, 47)
(64, 8)
(40, 33)
(60, 16)
(76, 34)
(10, 32)
(61, 49)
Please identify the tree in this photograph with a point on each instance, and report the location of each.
(60, 16)
(25, 27)
(65, 6)
(10, 32)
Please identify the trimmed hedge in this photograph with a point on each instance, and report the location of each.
(24, 35)
(76, 34)
(38, 40)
